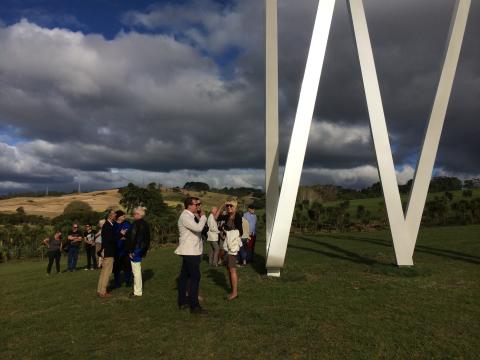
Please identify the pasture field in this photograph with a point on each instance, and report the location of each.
(51, 206)
(377, 204)
(339, 297)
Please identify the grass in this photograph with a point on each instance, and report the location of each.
(377, 205)
(340, 296)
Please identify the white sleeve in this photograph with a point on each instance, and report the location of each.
(190, 223)
(212, 224)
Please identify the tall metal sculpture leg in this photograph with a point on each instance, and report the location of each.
(271, 129)
(423, 174)
(298, 143)
(404, 229)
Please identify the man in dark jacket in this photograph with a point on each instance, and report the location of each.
(138, 243)
(108, 246)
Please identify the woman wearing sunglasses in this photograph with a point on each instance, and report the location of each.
(229, 222)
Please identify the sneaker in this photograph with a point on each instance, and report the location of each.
(183, 307)
(86, 269)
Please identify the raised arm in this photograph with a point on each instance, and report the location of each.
(190, 223)
(212, 224)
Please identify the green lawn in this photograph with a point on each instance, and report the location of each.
(377, 205)
(339, 297)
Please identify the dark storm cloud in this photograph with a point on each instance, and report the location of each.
(146, 103)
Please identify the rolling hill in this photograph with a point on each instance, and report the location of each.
(51, 206)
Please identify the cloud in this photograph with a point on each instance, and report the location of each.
(168, 99)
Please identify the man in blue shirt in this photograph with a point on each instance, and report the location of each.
(252, 222)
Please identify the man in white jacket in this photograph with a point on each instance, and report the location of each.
(190, 248)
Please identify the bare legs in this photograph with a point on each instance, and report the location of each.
(232, 271)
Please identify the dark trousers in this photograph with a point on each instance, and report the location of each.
(91, 257)
(53, 255)
(251, 247)
(72, 257)
(122, 263)
(190, 271)
(243, 253)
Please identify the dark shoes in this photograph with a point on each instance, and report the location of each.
(198, 311)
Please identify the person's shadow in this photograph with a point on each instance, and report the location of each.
(147, 274)
(218, 278)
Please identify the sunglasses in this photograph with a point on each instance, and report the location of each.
(229, 205)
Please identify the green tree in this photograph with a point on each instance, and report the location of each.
(196, 186)
(160, 216)
(77, 207)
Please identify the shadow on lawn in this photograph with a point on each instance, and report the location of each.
(258, 264)
(147, 274)
(451, 254)
(219, 278)
(375, 266)
(338, 252)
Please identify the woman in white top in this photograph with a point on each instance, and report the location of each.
(212, 238)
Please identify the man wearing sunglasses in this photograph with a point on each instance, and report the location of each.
(75, 239)
(190, 248)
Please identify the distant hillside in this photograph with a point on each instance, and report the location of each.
(51, 206)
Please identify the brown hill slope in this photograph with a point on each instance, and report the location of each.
(51, 206)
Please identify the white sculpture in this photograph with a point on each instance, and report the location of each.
(404, 228)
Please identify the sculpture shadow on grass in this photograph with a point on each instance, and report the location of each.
(336, 252)
(451, 254)
(258, 264)
(375, 265)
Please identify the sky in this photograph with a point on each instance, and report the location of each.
(106, 92)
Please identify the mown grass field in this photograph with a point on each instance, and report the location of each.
(340, 296)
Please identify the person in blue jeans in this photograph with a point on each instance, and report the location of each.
(75, 239)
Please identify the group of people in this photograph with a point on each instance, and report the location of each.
(119, 246)
(124, 245)
(75, 238)
(231, 238)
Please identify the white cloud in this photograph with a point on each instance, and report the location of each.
(160, 103)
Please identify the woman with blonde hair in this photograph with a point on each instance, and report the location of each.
(138, 243)
(231, 226)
